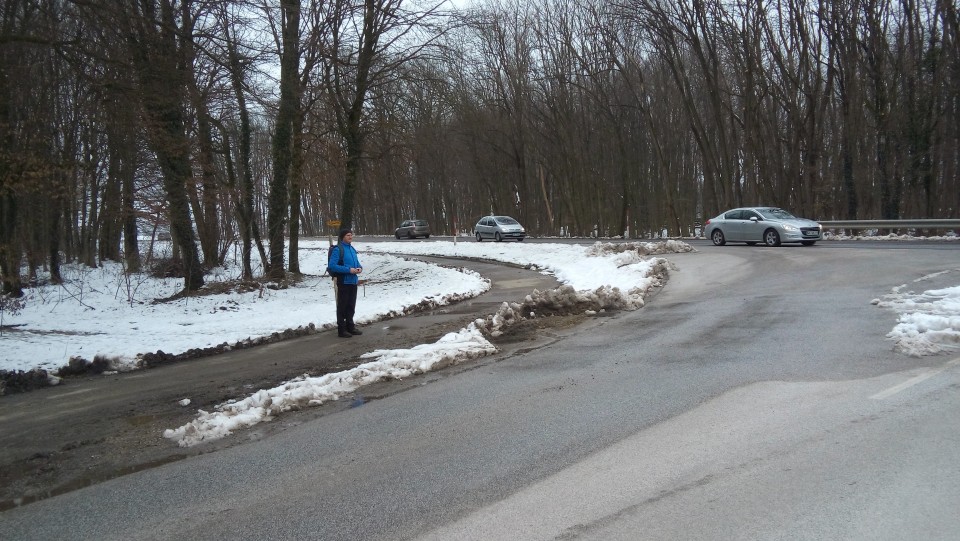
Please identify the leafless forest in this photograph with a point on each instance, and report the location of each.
(246, 124)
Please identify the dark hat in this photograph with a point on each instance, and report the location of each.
(343, 232)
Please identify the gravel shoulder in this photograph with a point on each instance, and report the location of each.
(93, 428)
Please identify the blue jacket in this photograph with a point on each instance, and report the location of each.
(350, 260)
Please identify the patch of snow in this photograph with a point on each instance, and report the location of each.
(929, 321)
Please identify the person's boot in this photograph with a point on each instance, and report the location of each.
(343, 334)
(354, 330)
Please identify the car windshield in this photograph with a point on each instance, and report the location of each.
(776, 214)
(505, 220)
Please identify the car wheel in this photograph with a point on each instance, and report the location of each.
(397, 235)
(717, 238)
(520, 239)
(479, 238)
(498, 236)
(808, 242)
(426, 236)
(771, 237)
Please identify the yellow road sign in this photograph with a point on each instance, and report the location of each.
(333, 223)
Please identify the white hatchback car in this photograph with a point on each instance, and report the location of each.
(769, 225)
(499, 228)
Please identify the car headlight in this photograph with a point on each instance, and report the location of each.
(788, 227)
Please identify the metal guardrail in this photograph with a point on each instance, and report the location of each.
(891, 224)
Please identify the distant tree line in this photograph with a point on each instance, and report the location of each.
(250, 123)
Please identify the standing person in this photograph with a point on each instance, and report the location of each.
(345, 263)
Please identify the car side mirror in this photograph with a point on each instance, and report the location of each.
(754, 219)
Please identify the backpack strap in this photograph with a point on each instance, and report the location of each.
(338, 277)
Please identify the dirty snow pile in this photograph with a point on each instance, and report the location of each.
(304, 391)
(594, 278)
(830, 235)
(624, 271)
(929, 321)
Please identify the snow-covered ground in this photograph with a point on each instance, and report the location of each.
(100, 312)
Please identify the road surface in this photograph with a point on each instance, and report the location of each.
(756, 397)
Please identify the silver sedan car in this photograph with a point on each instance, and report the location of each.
(769, 225)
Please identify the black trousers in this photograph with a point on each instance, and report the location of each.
(346, 306)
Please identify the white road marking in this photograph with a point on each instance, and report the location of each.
(914, 380)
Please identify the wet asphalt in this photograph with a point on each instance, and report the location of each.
(88, 408)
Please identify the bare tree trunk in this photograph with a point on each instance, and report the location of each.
(283, 135)
(131, 233)
(54, 220)
(162, 77)
(111, 213)
(206, 211)
(245, 204)
(296, 176)
(349, 76)
(91, 210)
(9, 247)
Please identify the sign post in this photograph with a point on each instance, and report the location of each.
(333, 224)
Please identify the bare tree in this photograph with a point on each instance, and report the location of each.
(365, 48)
(154, 34)
(238, 66)
(283, 137)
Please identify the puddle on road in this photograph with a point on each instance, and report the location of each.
(358, 401)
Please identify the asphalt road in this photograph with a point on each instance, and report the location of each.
(90, 429)
(756, 397)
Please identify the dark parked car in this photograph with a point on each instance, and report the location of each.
(499, 228)
(412, 229)
(769, 225)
